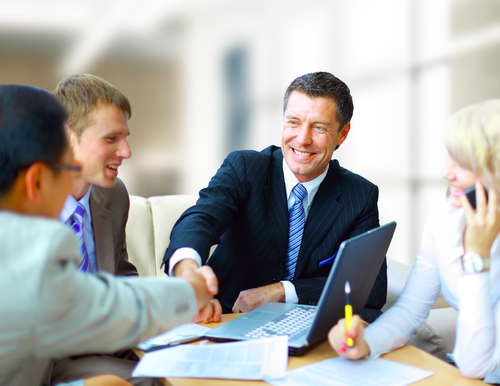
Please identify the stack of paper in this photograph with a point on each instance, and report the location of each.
(261, 359)
(341, 372)
(180, 334)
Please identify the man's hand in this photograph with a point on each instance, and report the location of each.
(211, 312)
(201, 279)
(206, 271)
(250, 299)
(338, 339)
(183, 264)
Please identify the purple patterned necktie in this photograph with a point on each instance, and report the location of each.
(296, 221)
(77, 227)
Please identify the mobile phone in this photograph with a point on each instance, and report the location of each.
(471, 195)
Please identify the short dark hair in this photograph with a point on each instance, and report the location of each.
(325, 85)
(31, 130)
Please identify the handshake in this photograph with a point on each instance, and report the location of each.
(205, 285)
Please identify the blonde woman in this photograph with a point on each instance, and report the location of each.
(459, 255)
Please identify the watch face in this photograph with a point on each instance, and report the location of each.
(472, 263)
(478, 263)
(468, 265)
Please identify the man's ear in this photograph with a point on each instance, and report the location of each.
(34, 179)
(72, 137)
(343, 133)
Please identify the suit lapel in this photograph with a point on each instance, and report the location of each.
(323, 213)
(277, 208)
(103, 232)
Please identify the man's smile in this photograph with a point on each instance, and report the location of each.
(301, 154)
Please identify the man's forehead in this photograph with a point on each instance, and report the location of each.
(101, 123)
(298, 98)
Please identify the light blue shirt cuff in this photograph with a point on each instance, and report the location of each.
(79, 382)
(290, 292)
(181, 254)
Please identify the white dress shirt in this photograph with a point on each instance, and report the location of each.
(290, 182)
(88, 231)
(476, 298)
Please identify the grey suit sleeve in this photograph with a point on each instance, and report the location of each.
(80, 313)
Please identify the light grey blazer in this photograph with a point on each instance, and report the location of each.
(48, 309)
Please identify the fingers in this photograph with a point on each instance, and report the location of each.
(483, 224)
(493, 210)
(250, 299)
(210, 279)
(480, 199)
(217, 311)
(237, 305)
(212, 312)
(207, 313)
(338, 336)
(197, 281)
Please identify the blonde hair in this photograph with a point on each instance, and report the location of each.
(83, 93)
(472, 138)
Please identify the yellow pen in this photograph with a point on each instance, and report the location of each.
(348, 312)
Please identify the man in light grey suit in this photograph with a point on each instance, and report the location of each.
(98, 131)
(48, 307)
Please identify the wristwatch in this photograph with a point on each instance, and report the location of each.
(473, 262)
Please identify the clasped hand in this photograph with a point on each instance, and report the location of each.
(251, 299)
(205, 285)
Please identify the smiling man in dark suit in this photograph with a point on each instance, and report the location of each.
(280, 215)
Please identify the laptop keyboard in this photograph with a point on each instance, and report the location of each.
(292, 323)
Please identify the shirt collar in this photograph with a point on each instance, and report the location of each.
(71, 204)
(311, 186)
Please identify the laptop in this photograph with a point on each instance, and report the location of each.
(358, 261)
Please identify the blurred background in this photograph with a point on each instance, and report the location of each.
(206, 77)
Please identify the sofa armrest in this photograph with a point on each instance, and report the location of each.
(437, 335)
(139, 233)
(397, 275)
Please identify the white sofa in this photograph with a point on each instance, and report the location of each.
(148, 233)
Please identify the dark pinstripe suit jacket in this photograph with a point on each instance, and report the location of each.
(244, 210)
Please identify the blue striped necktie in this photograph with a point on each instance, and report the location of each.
(76, 224)
(296, 221)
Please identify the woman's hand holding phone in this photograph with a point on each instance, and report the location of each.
(483, 223)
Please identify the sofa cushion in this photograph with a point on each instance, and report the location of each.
(165, 211)
(140, 240)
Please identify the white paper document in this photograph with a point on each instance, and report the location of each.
(177, 335)
(340, 371)
(251, 360)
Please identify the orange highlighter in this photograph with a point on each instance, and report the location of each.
(348, 312)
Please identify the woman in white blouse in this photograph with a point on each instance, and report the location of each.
(459, 255)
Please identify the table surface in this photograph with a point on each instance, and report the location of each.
(444, 373)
